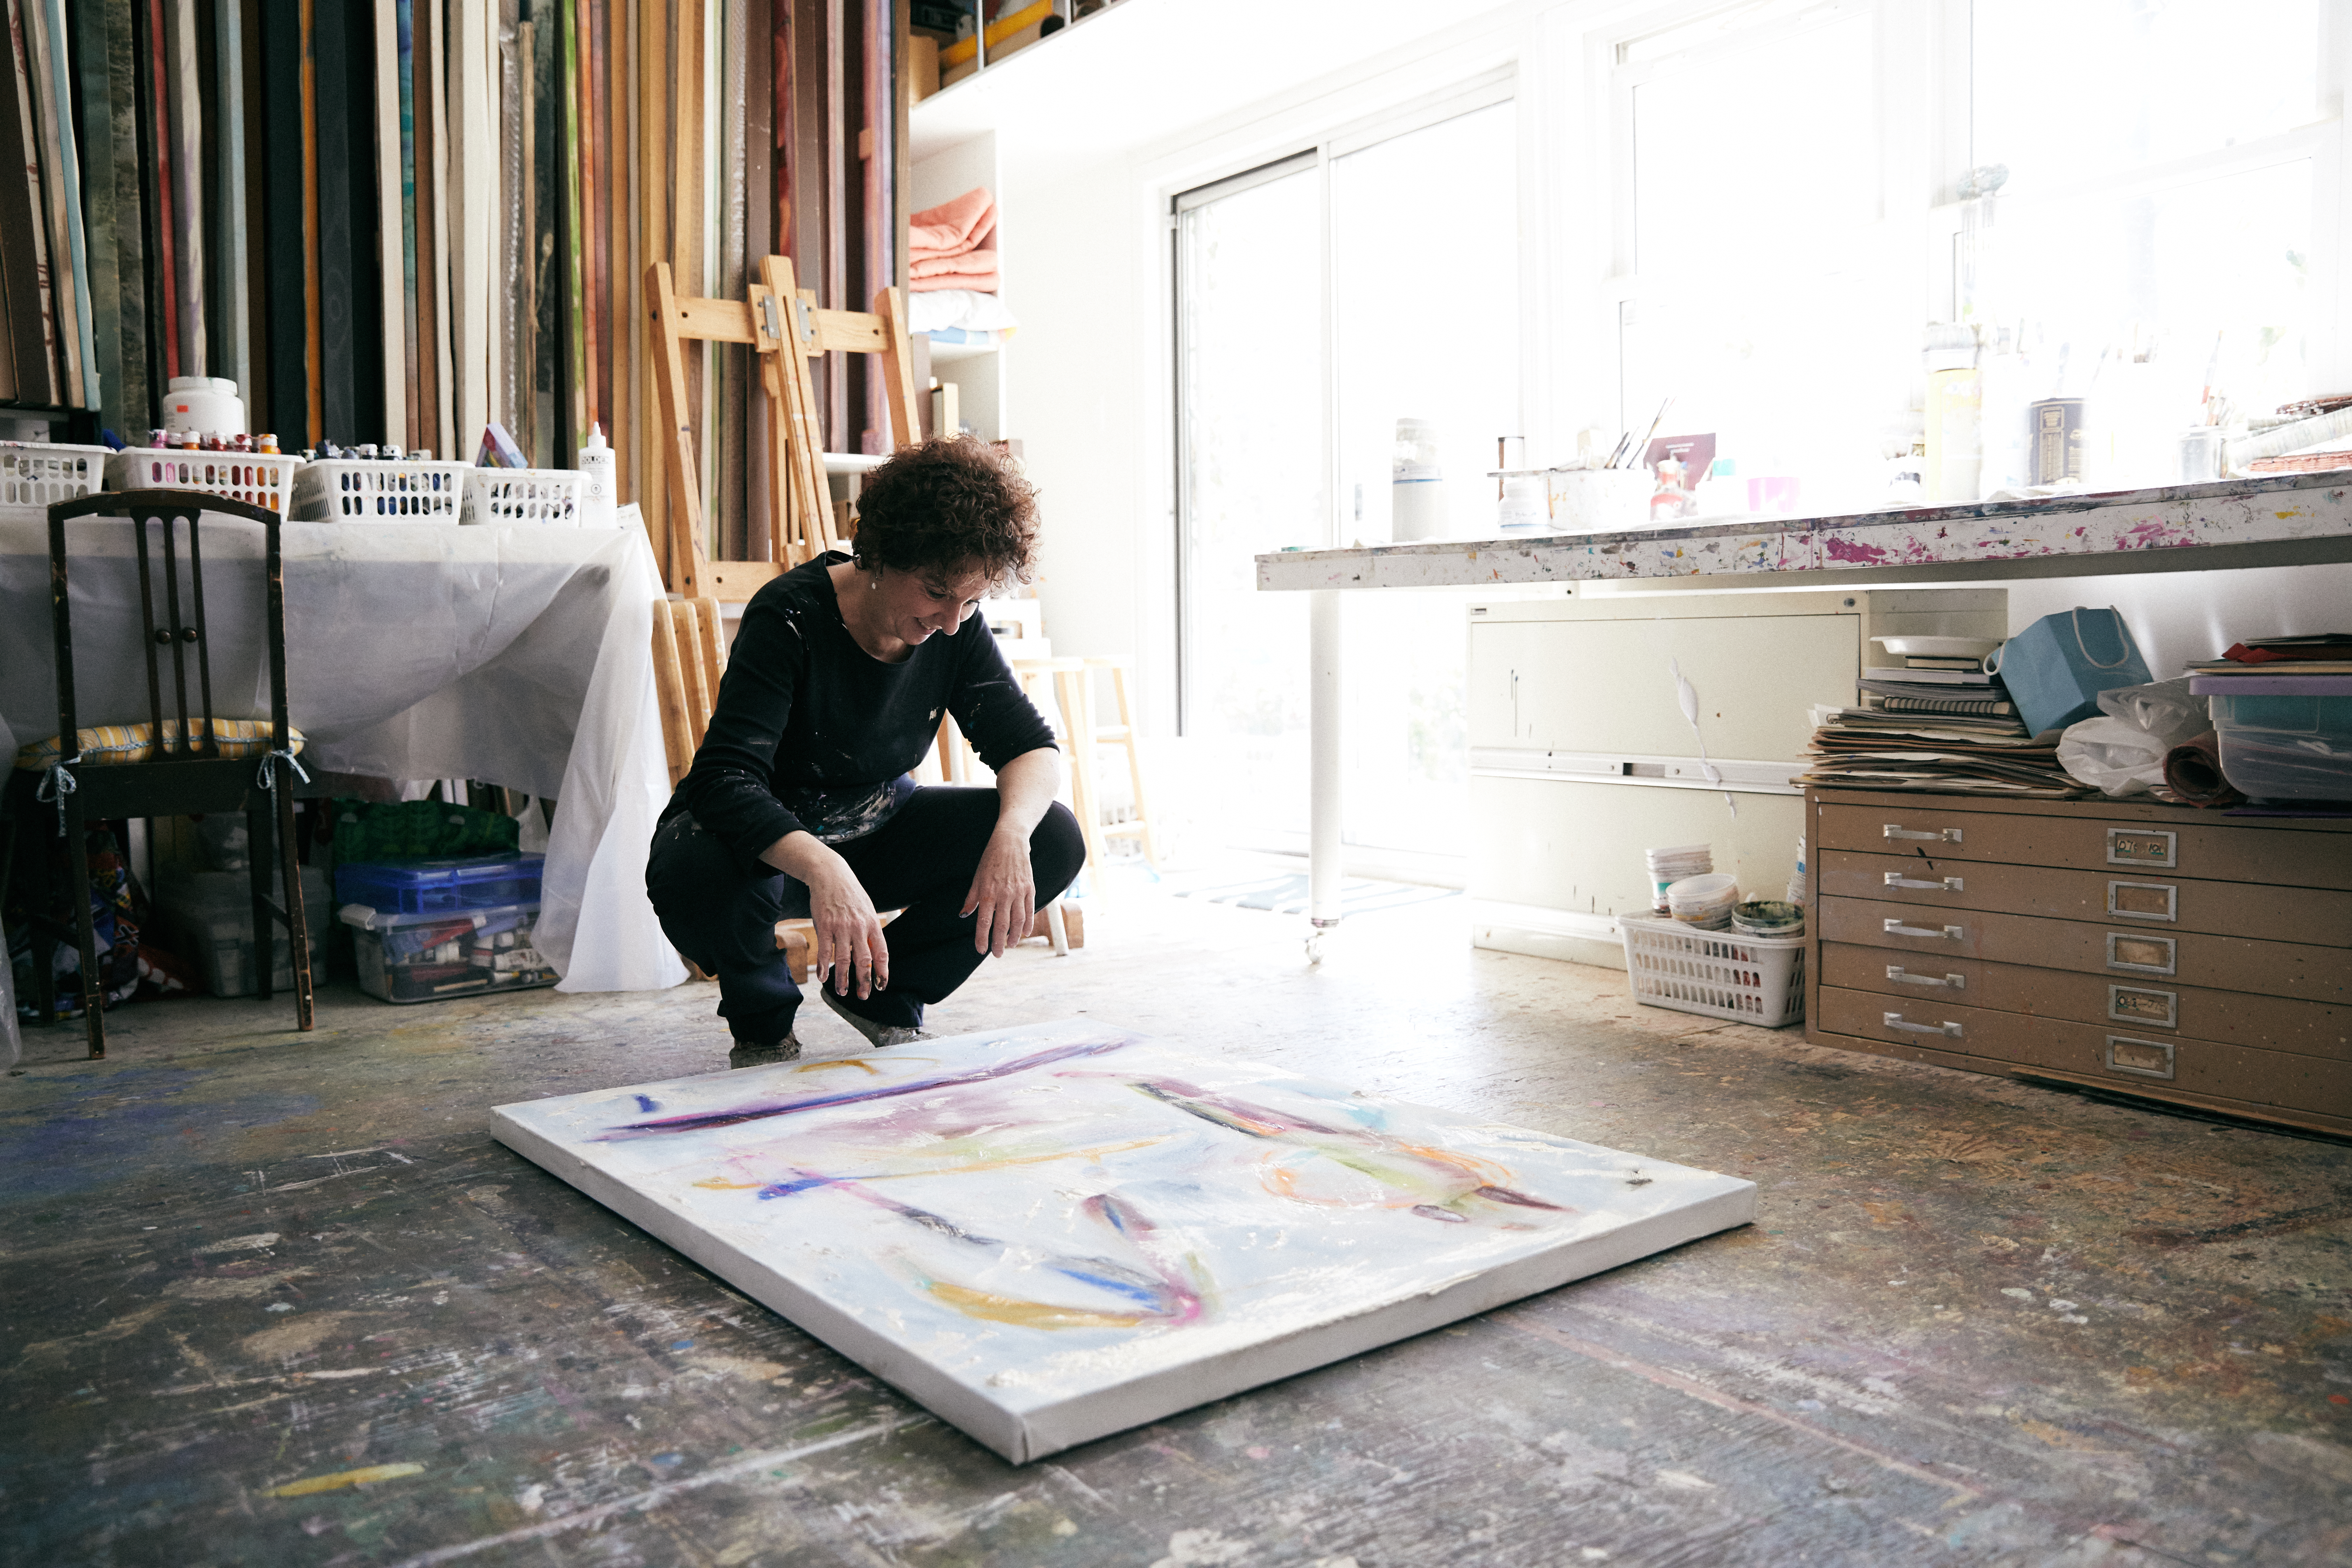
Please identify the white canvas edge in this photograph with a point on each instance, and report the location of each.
(1082, 1418)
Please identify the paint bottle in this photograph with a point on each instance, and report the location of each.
(267, 444)
(1416, 483)
(600, 495)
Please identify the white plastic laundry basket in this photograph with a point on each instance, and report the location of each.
(254, 478)
(508, 495)
(40, 473)
(1757, 980)
(362, 489)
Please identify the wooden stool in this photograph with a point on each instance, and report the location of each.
(1123, 734)
(1069, 677)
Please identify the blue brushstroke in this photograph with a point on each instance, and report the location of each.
(646, 1103)
(704, 1121)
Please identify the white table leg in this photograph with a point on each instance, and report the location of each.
(1323, 848)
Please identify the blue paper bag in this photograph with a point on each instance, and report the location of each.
(2056, 668)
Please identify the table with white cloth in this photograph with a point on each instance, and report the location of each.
(519, 655)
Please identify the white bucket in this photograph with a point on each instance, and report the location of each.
(1601, 500)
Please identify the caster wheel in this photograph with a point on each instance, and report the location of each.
(1314, 948)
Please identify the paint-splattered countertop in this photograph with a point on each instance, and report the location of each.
(2277, 519)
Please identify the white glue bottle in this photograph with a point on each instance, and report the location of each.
(601, 493)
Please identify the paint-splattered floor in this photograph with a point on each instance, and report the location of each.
(274, 1298)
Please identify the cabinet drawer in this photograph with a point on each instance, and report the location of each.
(2134, 1003)
(2217, 963)
(2150, 901)
(2178, 848)
(2142, 1061)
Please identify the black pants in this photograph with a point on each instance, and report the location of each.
(721, 911)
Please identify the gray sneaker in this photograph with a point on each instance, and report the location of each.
(747, 1053)
(876, 1035)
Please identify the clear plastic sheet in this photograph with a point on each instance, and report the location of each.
(518, 656)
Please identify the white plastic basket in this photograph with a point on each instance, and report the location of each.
(512, 495)
(251, 477)
(1757, 980)
(40, 474)
(361, 489)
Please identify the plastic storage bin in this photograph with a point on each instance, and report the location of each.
(510, 496)
(434, 957)
(1757, 980)
(429, 887)
(39, 474)
(2286, 748)
(356, 490)
(206, 918)
(254, 478)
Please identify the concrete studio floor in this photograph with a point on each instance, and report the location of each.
(274, 1298)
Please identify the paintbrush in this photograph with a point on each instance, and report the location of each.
(1618, 451)
(1661, 419)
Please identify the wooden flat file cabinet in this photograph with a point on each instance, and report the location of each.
(2176, 955)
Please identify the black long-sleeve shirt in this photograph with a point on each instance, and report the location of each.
(811, 731)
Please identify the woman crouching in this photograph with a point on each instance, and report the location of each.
(800, 802)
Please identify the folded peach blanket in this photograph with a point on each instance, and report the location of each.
(979, 282)
(952, 228)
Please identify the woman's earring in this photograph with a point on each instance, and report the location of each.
(877, 583)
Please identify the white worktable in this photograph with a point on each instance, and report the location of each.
(518, 655)
(2284, 519)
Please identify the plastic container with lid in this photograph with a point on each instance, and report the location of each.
(1706, 902)
(208, 404)
(206, 918)
(428, 886)
(2279, 747)
(431, 956)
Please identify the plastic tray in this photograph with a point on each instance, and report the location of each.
(41, 474)
(430, 887)
(249, 477)
(2278, 747)
(1757, 980)
(497, 496)
(355, 489)
(433, 957)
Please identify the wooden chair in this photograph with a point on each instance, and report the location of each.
(783, 326)
(195, 762)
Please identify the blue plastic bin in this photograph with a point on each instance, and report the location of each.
(423, 887)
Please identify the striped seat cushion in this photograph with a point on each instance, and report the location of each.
(103, 743)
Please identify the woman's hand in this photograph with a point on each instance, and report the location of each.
(849, 945)
(1003, 892)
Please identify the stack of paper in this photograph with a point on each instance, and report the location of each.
(1870, 748)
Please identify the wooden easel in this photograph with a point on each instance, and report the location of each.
(783, 326)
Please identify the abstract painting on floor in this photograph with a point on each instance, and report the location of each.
(1048, 1234)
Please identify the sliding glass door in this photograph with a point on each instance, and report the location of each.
(1321, 300)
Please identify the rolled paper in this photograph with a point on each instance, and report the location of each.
(2194, 771)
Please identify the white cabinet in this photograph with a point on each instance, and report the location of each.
(1581, 756)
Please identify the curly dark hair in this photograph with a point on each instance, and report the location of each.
(943, 503)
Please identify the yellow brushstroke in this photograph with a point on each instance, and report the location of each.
(365, 1476)
(1026, 1314)
(721, 1184)
(867, 1067)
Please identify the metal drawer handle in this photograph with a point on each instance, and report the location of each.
(1895, 1021)
(1948, 885)
(1897, 928)
(1897, 973)
(1949, 836)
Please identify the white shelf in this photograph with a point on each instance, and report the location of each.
(1139, 70)
(951, 353)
